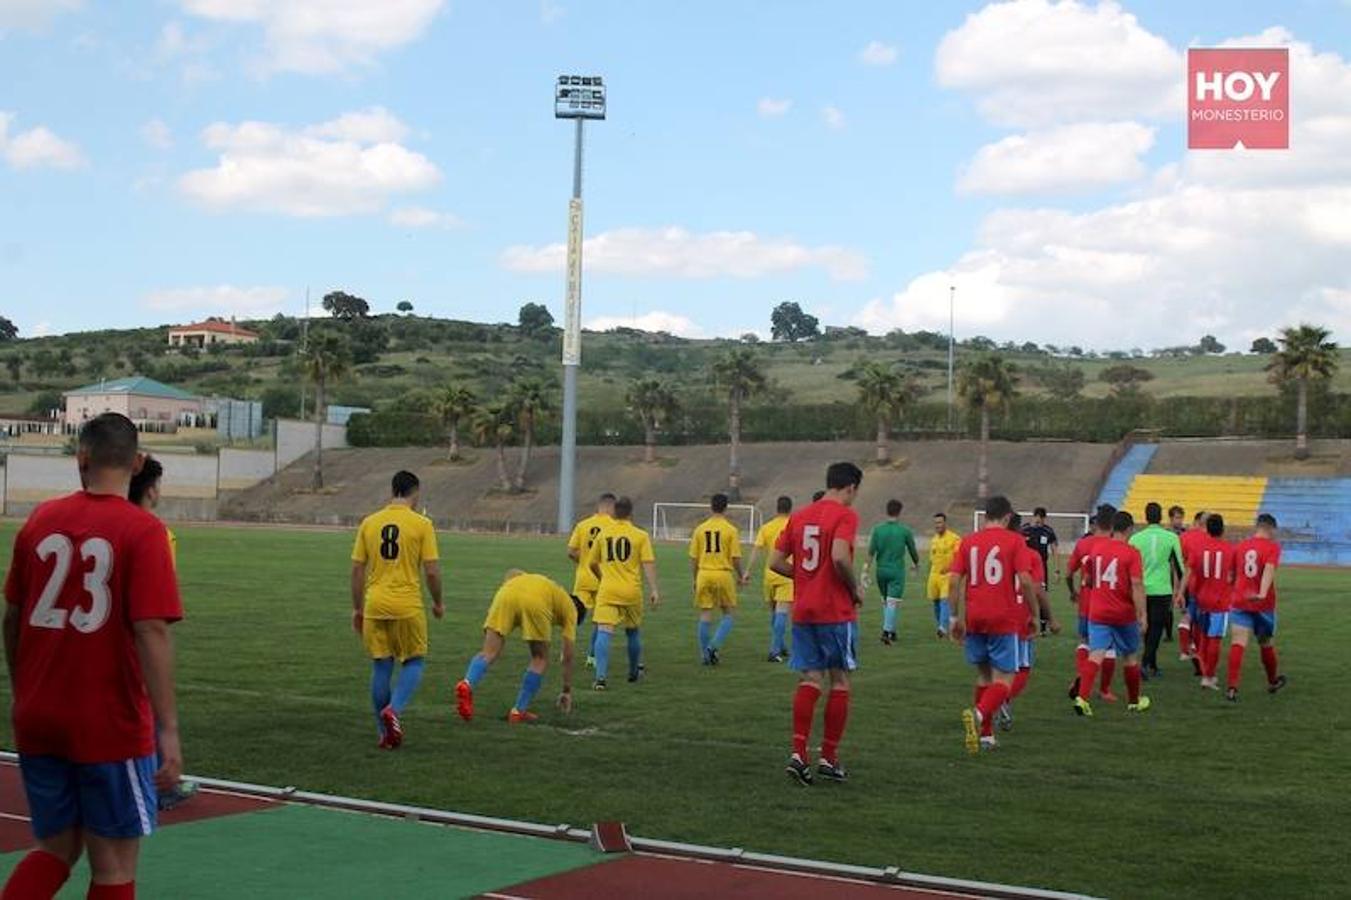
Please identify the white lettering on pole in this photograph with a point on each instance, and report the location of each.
(572, 308)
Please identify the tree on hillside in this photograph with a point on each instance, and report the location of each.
(99, 362)
(492, 424)
(1209, 344)
(530, 400)
(327, 358)
(987, 383)
(655, 404)
(454, 404)
(1125, 378)
(740, 376)
(44, 403)
(45, 363)
(8, 330)
(345, 306)
(789, 323)
(886, 394)
(1063, 382)
(535, 320)
(1263, 346)
(1306, 355)
(14, 362)
(404, 307)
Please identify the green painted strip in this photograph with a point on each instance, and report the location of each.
(299, 852)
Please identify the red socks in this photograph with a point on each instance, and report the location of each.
(995, 696)
(1019, 683)
(837, 713)
(38, 876)
(1269, 663)
(1184, 640)
(1108, 670)
(1088, 676)
(1133, 684)
(1212, 664)
(1235, 664)
(1080, 656)
(112, 891)
(804, 710)
(980, 692)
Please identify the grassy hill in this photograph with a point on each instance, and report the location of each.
(401, 359)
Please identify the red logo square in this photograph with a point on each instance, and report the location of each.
(1238, 96)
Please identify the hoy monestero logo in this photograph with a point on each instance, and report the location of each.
(1238, 97)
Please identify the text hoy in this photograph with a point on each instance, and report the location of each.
(1238, 87)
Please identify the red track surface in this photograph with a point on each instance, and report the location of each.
(15, 834)
(665, 878)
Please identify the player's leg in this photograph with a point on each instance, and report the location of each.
(1128, 645)
(1099, 644)
(778, 630)
(52, 789)
(1156, 615)
(112, 867)
(603, 640)
(473, 674)
(117, 802)
(1265, 629)
(998, 671)
(724, 628)
(1217, 624)
(412, 654)
(1108, 672)
(836, 718)
(1239, 636)
(41, 874)
(809, 659)
(530, 681)
(376, 636)
(634, 637)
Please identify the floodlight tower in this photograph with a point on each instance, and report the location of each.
(578, 97)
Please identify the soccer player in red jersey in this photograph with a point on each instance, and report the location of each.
(1116, 613)
(1254, 610)
(1211, 565)
(1188, 633)
(90, 595)
(987, 566)
(1082, 595)
(816, 550)
(1037, 612)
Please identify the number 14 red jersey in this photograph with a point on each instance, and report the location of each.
(819, 595)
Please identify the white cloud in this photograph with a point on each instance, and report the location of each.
(674, 252)
(157, 135)
(188, 51)
(878, 54)
(419, 217)
(348, 166)
(320, 36)
(1060, 160)
(34, 14)
(657, 320)
(770, 108)
(550, 11)
(218, 300)
(37, 148)
(41, 329)
(1032, 63)
(833, 116)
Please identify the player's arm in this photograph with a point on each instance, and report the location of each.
(957, 601)
(13, 618)
(358, 587)
(1044, 606)
(1053, 554)
(431, 570)
(565, 698)
(742, 572)
(914, 551)
(842, 555)
(155, 649)
(750, 563)
(1268, 580)
(1138, 599)
(779, 564)
(654, 589)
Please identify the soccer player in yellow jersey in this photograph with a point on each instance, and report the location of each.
(395, 549)
(621, 558)
(942, 548)
(584, 581)
(778, 590)
(536, 605)
(715, 554)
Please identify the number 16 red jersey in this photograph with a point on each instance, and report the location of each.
(819, 595)
(991, 560)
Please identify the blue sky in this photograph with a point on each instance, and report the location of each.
(166, 160)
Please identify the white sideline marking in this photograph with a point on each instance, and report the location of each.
(13, 817)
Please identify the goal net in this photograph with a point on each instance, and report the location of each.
(1068, 527)
(677, 521)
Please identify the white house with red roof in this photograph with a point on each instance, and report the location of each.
(212, 331)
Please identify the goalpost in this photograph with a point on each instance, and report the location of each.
(677, 521)
(1068, 527)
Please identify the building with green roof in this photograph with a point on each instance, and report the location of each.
(152, 405)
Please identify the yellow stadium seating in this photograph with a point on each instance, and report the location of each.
(1234, 497)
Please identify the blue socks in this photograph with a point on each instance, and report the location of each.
(602, 654)
(529, 688)
(382, 670)
(724, 629)
(889, 611)
(478, 667)
(591, 647)
(704, 628)
(779, 628)
(410, 676)
(944, 615)
(635, 651)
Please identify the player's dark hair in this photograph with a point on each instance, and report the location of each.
(607, 497)
(784, 505)
(1176, 511)
(1106, 515)
(1215, 525)
(109, 441)
(1039, 512)
(580, 607)
(818, 495)
(404, 484)
(943, 516)
(719, 503)
(623, 508)
(843, 475)
(1153, 513)
(894, 507)
(997, 507)
(151, 472)
(1015, 522)
(1199, 517)
(1267, 519)
(1122, 522)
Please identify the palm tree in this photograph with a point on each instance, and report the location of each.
(740, 375)
(529, 400)
(1306, 355)
(886, 394)
(327, 358)
(986, 383)
(493, 424)
(454, 404)
(654, 402)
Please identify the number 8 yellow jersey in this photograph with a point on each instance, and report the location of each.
(619, 552)
(394, 543)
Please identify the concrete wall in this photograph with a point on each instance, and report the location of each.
(188, 476)
(295, 439)
(31, 479)
(242, 469)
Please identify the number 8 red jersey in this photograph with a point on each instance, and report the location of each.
(819, 595)
(991, 560)
(86, 568)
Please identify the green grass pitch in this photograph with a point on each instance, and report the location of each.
(1196, 798)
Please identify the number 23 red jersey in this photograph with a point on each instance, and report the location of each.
(819, 595)
(86, 568)
(991, 560)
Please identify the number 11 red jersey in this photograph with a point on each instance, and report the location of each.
(819, 595)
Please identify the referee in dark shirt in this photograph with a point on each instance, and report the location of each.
(1041, 538)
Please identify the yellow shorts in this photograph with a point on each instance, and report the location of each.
(534, 619)
(402, 639)
(781, 592)
(716, 589)
(937, 587)
(588, 598)
(628, 615)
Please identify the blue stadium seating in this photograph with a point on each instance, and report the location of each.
(1315, 519)
(1133, 463)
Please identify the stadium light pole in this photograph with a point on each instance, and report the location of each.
(578, 97)
(952, 321)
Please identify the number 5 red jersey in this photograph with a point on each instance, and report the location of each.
(820, 596)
